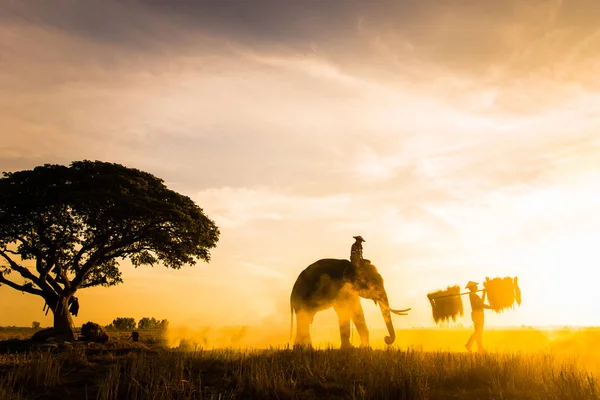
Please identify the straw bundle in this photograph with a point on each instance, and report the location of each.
(502, 293)
(446, 304)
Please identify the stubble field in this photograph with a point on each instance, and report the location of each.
(150, 370)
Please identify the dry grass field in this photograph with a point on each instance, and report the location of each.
(556, 365)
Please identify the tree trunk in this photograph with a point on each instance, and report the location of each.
(63, 323)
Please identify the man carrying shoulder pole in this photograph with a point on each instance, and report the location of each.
(477, 307)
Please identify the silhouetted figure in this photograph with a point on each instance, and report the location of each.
(135, 336)
(74, 306)
(93, 332)
(356, 252)
(477, 307)
(325, 284)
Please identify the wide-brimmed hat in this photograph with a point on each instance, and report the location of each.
(359, 238)
(471, 284)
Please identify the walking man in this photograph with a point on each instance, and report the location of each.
(477, 307)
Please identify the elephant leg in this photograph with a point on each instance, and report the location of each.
(344, 313)
(358, 317)
(303, 321)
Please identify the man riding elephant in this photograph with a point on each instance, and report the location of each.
(356, 252)
(340, 284)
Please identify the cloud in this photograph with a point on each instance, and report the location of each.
(437, 130)
(263, 271)
(237, 207)
(496, 42)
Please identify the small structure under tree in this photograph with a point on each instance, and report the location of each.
(65, 228)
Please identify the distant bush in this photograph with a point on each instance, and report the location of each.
(8, 327)
(35, 325)
(153, 323)
(122, 323)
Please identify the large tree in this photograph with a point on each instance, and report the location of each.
(65, 228)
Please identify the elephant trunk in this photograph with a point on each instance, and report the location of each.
(385, 312)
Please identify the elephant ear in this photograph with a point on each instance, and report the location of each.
(349, 274)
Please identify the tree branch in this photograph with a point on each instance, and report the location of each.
(53, 283)
(25, 273)
(100, 281)
(22, 288)
(63, 276)
(127, 252)
(96, 258)
(80, 253)
(28, 246)
(39, 266)
(39, 257)
(50, 261)
(87, 267)
(77, 259)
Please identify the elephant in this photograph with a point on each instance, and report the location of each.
(339, 284)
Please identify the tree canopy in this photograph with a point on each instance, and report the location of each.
(122, 323)
(153, 323)
(64, 228)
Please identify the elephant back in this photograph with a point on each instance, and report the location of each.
(321, 280)
(332, 267)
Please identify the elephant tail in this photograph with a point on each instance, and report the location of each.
(291, 320)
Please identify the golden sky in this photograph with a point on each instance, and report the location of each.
(460, 139)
